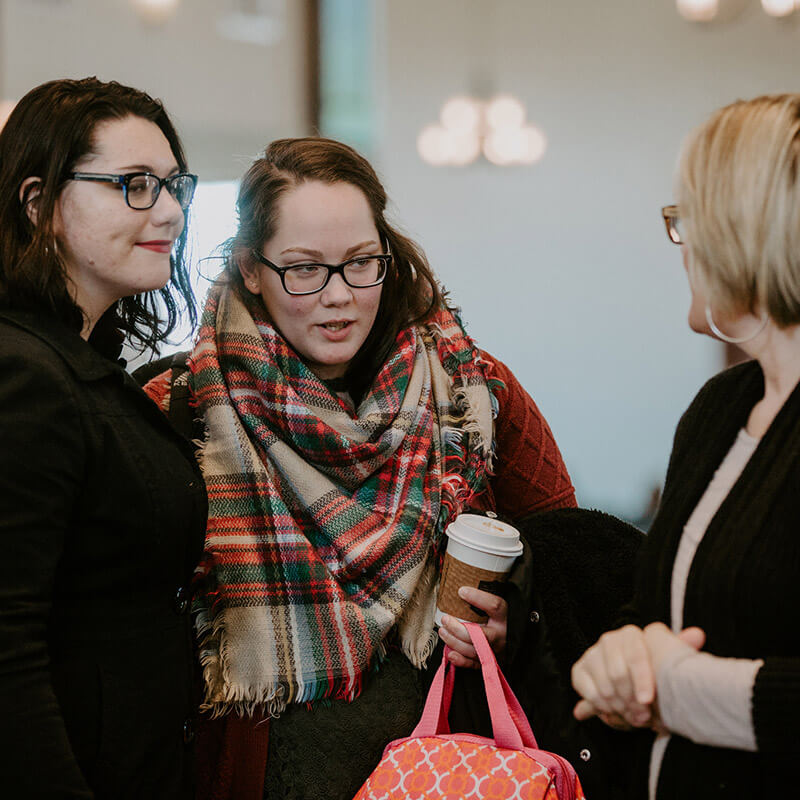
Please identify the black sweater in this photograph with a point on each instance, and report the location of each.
(743, 588)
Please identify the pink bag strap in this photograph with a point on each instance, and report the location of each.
(510, 727)
(434, 714)
(447, 696)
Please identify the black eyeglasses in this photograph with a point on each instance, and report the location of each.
(141, 189)
(672, 221)
(360, 272)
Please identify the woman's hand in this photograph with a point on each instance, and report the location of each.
(617, 676)
(616, 680)
(662, 642)
(455, 635)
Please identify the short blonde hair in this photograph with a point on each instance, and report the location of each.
(739, 197)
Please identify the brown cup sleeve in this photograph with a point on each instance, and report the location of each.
(456, 574)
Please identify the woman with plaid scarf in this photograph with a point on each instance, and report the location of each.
(348, 418)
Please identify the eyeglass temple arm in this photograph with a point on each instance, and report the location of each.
(97, 176)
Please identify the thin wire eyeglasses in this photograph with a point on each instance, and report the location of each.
(141, 189)
(672, 221)
(360, 272)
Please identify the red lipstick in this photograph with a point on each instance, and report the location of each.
(157, 245)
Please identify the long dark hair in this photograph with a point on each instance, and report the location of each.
(48, 132)
(410, 292)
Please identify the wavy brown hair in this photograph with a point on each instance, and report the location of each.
(50, 129)
(410, 291)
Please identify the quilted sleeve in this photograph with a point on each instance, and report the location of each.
(530, 474)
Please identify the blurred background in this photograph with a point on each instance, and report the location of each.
(540, 213)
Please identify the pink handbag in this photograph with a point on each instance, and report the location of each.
(434, 764)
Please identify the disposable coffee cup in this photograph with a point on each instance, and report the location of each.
(479, 550)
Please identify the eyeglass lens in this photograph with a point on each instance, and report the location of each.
(676, 229)
(309, 278)
(143, 190)
(673, 223)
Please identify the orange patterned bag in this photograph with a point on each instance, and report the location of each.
(434, 764)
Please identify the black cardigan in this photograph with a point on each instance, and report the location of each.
(102, 516)
(743, 588)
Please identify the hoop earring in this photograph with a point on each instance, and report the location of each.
(734, 339)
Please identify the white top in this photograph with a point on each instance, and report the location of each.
(703, 697)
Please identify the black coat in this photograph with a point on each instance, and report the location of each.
(576, 571)
(102, 516)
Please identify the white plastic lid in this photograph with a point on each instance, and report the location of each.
(485, 534)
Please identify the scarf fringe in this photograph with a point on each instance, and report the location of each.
(226, 697)
(418, 637)
(419, 658)
(470, 421)
(221, 695)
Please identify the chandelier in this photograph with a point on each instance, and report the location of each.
(706, 10)
(469, 127)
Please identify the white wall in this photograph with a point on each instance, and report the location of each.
(228, 99)
(563, 269)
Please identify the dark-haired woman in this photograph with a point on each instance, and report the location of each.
(349, 418)
(102, 508)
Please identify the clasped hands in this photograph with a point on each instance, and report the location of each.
(455, 635)
(616, 677)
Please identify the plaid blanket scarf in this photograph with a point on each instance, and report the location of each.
(323, 523)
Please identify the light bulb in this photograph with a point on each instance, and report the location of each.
(464, 147)
(432, 145)
(535, 145)
(698, 10)
(778, 8)
(155, 12)
(461, 114)
(505, 146)
(494, 153)
(505, 111)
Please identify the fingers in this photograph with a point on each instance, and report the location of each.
(454, 634)
(694, 637)
(628, 673)
(494, 606)
(616, 721)
(640, 670)
(615, 677)
(584, 710)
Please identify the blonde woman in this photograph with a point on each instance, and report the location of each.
(712, 661)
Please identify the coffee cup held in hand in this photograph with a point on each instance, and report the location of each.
(480, 550)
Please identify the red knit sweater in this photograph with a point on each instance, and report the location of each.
(529, 475)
